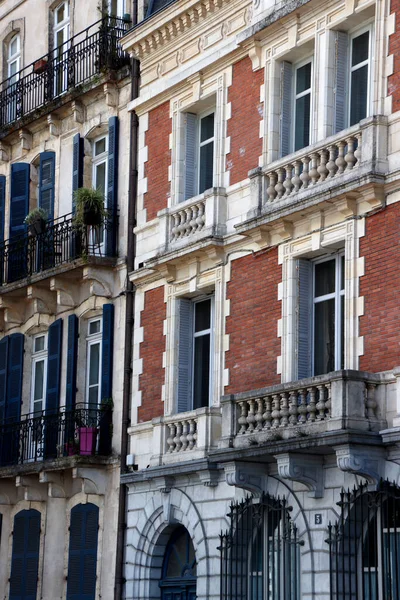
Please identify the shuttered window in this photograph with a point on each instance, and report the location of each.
(360, 60)
(286, 107)
(25, 555)
(77, 166)
(107, 351)
(72, 356)
(46, 183)
(82, 561)
(302, 105)
(112, 184)
(2, 207)
(19, 205)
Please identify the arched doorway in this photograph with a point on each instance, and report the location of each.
(178, 577)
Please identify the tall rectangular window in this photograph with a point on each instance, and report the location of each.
(302, 105)
(39, 373)
(199, 153)
(328, 315)
(360, 65)
(206, 152)
(93, 362)
(99, 182)
(61, 35)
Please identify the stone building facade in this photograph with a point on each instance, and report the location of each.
(265, 408)
(66, 83)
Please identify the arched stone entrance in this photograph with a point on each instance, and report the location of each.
(178, 576)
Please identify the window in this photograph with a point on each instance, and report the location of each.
(93, 364)
(82, 559)
(360, 66)
(321, 316)
(179, 567)
(14, 58)
(39, 373)
(117, 8)
(195, 351)
(25, 555)
(296, 106)
(61, 35)
(199, 153)
(99, 182)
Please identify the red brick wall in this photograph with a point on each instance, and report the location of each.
(158, 160)
(151, 352)
(380, 287)
(244, 124)
(394, 48)
(252, 323)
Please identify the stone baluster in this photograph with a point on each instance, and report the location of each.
(195, 436)
(305, 177)
(271, 192)
(279, 186)
(201, 218)
(171, 436)
(177, 438)
(350, 158)
(174, 230)
(251, 417)
(188, 218)
(267, 413)
(259, 414)
(321, 402)
(340, 161)
(284, 409)
(357, 151)
(331, 166)
(312, 409)
(242, 421)
(296, 180)
(370, 402)
(276, 413)
(182, 225)
(322, 169)
(328, 401)
(190, 435)
(185, 431)
(293, 412)
(287, 184)
(193, 221)
(303, 409)
(314, 175)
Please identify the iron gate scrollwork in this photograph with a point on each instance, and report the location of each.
(364, 545)
(260, 553)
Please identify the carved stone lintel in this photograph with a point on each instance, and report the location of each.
(78, 112)
(246, 475)
(209, 477)
(93, 480)
(364, 461)
(305, 469)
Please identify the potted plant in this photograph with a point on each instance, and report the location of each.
(87, 440)
(89, 204)
(40, 65)
(36, 221)
(71, 447)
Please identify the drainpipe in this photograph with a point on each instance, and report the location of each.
(129, 324)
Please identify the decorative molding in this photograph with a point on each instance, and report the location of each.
(54, 125)
(25, 137)
(305, 469)
(246, 475)
(164, 484)
(78, 111)
(4, 152)
(111, 94)
(209, 478)
(55, 484)
(94, 481)
(33, 491)
(65, 297)
(363, 461)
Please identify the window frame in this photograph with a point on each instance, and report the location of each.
(121, 8)
(194, 336)
(352, 35)
(39, 356)
(11, 58)
(337, 295)
(296, 66)
(93, 339)
(201, 144)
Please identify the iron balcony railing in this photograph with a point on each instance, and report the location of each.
(89, 53)
(62, 242)
(85, 430)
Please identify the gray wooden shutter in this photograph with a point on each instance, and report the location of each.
(77, 166)
(190, 155)
(286, 106)
(305, 315)
(341, 79)
(185, 355)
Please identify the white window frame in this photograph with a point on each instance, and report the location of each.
(354, 34)
(204, 143)
(337, 296)
(97, 234)
(39, 356)
(61, 82)
(121, 8)
(92, 340)
(198, 334)
(310, 90)
(14, 58)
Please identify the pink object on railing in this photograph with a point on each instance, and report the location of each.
(87, 440)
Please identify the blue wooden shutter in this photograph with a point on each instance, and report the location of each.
(3, 375)
(304, 318)
(286, 106)
(19, 205)
(112, 185)
(107, 351)
(77, 166)
(54, 366)
(14, 377)
(25, 555)
(82, 560)
(47, 182)
(341, 79)
(190, 155)
(185, 355)
(72, 356)
(2, 205)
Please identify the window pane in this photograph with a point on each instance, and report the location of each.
(206, 167)
(94, 394)
(14, 46)
(94, 366)
(324, 337)
(303, 78)
(94, 327)
(325, 278)
(302, 122)
(207, 127)
(202, 315)
(47, 171)
(12, 69)
(100, 146)
(342, 332)
(39, 380)
(201, 371)
(100, 176)
(60, 14)
(359, 94)
(39, 343)
(342, 272)
(360, 49)
(60, 37)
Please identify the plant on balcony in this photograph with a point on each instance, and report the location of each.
(90, 208)
(40, 65)
(36, 221)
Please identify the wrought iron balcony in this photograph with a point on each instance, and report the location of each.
(86, 430)
(90, 53)
(62, 242)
